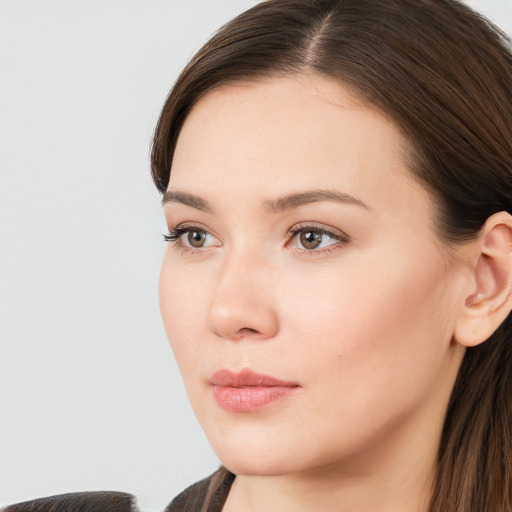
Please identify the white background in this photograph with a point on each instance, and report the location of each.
(90, 397)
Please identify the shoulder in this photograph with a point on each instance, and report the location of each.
(78, 502)
(213, 490)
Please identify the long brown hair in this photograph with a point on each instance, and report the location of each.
(444, 75)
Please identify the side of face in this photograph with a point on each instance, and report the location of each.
(306, 252)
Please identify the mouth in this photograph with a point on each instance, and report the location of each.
(248, 391)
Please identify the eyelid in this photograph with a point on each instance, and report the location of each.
(191, 226)
(322, 228)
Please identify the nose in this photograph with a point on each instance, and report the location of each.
(242, 305)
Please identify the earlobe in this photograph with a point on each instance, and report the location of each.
(490, 302)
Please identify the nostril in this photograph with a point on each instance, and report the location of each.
(247, 331)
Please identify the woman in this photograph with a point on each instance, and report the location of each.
(337, 181)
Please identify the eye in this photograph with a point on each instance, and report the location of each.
(195, 238)
(313, 238)
(191, 237)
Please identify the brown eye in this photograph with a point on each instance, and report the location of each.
(313, 239)
(310, 239)
(196, 238)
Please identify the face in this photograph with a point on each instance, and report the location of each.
(308, 301)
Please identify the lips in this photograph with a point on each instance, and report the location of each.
(248, 391)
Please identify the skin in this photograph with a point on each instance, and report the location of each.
(364, 324)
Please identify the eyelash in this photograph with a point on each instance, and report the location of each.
(175, 234)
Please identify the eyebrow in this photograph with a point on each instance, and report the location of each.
(281, 204)
(175, 196)
(292, 201)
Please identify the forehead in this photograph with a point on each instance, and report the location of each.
(281, 135)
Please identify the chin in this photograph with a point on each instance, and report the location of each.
(268, 455)
(259, 465)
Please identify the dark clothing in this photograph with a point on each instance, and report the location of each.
(190, 500)
(78, 502)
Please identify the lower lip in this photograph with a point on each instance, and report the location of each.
(250, 398)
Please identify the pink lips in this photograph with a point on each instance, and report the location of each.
(247, 391)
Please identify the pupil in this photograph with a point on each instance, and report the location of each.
(311, 239)
(196, 238)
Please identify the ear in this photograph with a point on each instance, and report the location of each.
(490, 302)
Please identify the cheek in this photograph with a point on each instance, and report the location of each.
(182, 305)
(370, 321)
(370, 346)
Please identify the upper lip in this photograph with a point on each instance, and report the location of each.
(246, 378)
